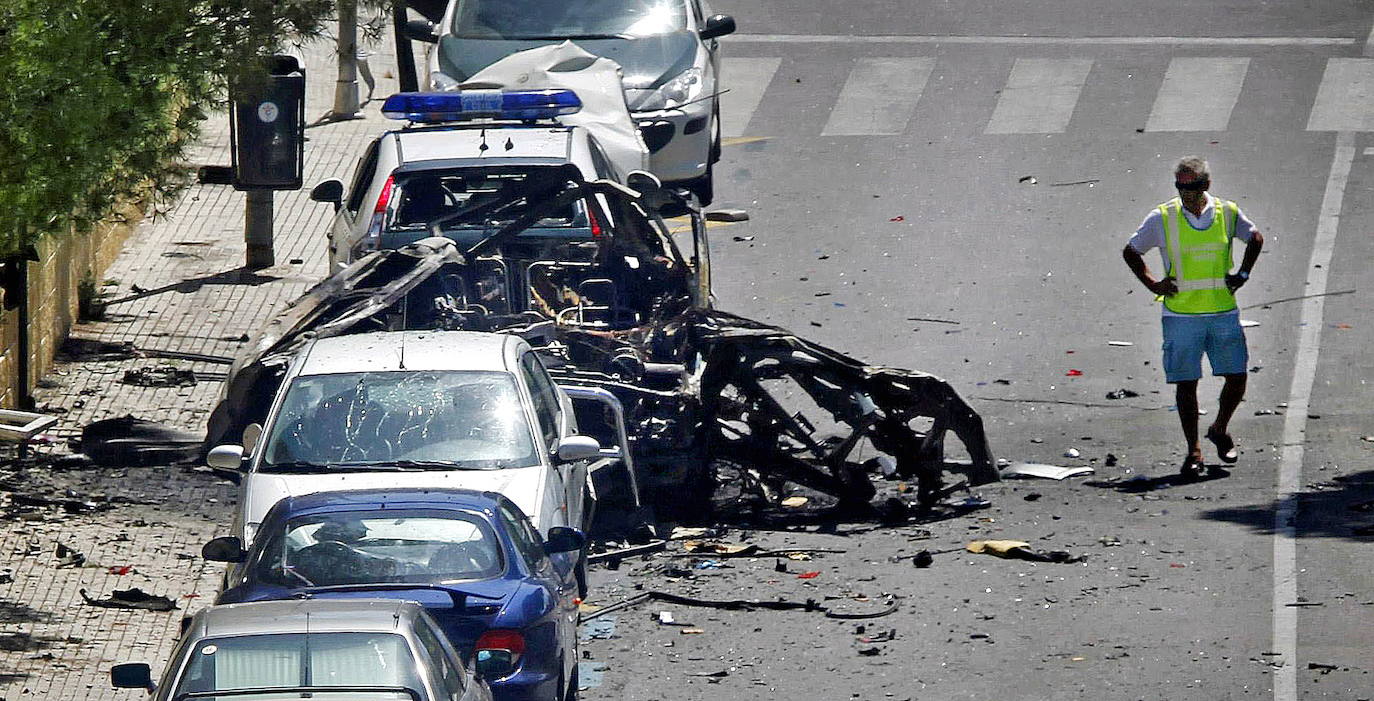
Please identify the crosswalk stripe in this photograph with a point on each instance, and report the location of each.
(746, 80)
(1345, 99)
(1198, 94)
(1040, 96)
(878, 96)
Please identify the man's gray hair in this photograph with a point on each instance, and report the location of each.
(1194, 165)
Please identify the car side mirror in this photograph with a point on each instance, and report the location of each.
(330, 191)
(132, 675)
(421, 30)
(494, 664)
(717, 26)
(574, 448)
(224, 549)
(563, 539)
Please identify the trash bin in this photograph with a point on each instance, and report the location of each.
(267, 128)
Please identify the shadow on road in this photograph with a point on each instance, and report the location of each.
(237, 276)
(15, 612)
(1341, 508)
(1140, 484)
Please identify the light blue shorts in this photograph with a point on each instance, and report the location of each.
(1187, 338)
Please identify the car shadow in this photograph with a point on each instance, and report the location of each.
(1342, 507)
(237, 276)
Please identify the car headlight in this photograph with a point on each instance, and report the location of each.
(441, 82)
(681, 88)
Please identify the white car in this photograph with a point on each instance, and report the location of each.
(419, 409)
(668, 50)
(441, 165)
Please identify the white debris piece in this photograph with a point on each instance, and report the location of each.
(1051, 472)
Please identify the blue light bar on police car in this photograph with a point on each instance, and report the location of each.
(468, 104)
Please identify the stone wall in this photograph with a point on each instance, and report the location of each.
(64, 262)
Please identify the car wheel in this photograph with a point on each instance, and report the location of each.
(570, 693)
(704, 187)
(715, 135)
(580, 573)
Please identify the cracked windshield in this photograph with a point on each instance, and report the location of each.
(441, 419)
(578, 19)
(370, 547)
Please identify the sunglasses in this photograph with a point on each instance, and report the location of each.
(1195, 186)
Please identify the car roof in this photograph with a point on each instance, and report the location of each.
(384, 351)
(304, 616)
(449, 142)
(359, 499)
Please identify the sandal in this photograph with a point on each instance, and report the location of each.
(1226, 446)
(1192, 467)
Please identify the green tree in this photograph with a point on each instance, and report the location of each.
(101, 98)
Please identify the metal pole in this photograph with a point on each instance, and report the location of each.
(346, 89)
(257, 230)
(405, 58)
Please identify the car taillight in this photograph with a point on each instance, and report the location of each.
(594, 223)
(372, 240)
(509, 640)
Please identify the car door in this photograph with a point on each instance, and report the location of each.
(445, 665)
(553, 424)
(555, 576)
(343, 232)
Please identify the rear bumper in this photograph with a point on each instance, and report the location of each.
(526, 685)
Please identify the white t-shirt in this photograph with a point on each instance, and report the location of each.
(1151, 235)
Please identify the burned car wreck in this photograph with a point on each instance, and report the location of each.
(628, 312)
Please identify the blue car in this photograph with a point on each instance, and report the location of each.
(504, 595)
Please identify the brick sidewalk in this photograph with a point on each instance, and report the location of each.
(176, 287)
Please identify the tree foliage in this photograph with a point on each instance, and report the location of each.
(101, 98)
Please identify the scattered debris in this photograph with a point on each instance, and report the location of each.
(130, 441)
(69, 557)
(1111, 460)
(1324, 667)
(89, 349)
(1073, 373)
(809, 575)
(160, 376)
(1089, 183)
(1020, 550)
(810, 605)
(923, 559)
(131, 599)
(1248, 323)
(616, 555)
(1122, 393)
(1072, 453)
(1033, 496)
(796, 502)
(1043, 471)
(1029, 179)
(938, 321)
(1120, 343)
(727, 215)
(898, 218)
(742, 239)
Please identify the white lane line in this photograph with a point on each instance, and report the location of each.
(1249, 42)
(747, 80)
(1369, 43)
(1345, 99)
(1295, 422)
(1040, 96)
(1181, 106)
(878, 96)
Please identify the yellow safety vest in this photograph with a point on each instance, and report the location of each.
(1199, 260)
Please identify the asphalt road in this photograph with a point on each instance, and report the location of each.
(982, 163)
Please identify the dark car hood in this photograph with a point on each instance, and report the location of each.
(648, 62)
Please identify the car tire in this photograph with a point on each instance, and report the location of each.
(704, 187)
(580, 574)
(570, 692)
(715, 135)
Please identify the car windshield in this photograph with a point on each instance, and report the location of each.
(400, 420)
(275, 663)
(473, 199)
(380, 547)
(574, 19)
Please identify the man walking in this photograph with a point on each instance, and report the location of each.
(1193, 232)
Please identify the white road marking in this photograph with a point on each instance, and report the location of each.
(1345, 99)
(1040, 96)
(747, 80)
(878, 96)
(1045, 41)
(1198, 94)
(1295, 422)
(1369, 43)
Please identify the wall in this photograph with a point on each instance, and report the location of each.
(64, 261)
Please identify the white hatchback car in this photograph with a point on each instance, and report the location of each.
(668, 49)
(419, 409)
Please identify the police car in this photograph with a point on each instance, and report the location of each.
(453, 169)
